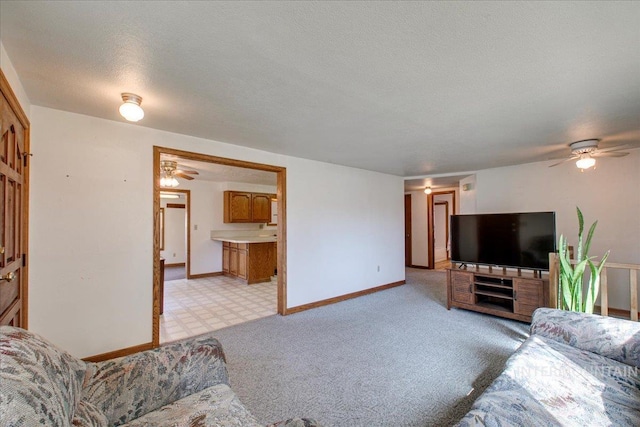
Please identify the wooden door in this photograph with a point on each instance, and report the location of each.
(260, 207)
(407, 230)
(13, 215)
(225, 257)
(528, 294)
(233, 260)
(237, 206)
(461, 286)
(242, 260)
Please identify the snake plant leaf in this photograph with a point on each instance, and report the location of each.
(594, 288)
(589, 237)
(580, 231)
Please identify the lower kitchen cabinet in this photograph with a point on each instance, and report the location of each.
(252, 262)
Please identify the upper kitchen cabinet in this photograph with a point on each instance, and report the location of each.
(237, 206)
(261, 207)
(247, 207)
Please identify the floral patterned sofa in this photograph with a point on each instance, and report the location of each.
(184, 384)
(575, 370)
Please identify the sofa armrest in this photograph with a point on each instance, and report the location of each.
(129, 387)
(616, 339)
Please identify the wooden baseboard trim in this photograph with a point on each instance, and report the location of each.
(177, 264)
(119, 353)
(341, 298)
(419, 266)
(203, 275)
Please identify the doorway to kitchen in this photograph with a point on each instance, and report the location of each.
(171, 163)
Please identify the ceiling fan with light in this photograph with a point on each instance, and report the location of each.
(586, 151)
(169, 173)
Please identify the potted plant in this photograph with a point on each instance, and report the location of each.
(570, 281)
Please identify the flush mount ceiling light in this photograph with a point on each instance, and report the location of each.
(164, 195)
(130, 109)
(427, 190)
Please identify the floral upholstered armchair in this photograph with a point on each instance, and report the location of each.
(179, 384)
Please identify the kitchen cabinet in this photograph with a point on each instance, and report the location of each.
(252, 262)
(226, 257)
(260, 207)
(247, 207)
(237, 206)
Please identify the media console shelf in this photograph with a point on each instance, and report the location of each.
(513, 294)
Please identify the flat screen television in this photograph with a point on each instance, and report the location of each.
(521, 240)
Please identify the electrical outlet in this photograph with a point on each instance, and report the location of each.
(378, 269)
(174, 254)
(195, 227)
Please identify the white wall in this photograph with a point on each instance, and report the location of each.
(467, 197)
(14, 81)
(608, 194)
(92, 229)
(175, 232)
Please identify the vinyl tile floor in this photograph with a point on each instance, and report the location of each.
(193, 307)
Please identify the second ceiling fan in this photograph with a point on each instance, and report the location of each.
(169, 170)
(586, 151)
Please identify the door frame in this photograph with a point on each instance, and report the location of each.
(12, 99)
(430, 229)
(282, 224)
(187, 206)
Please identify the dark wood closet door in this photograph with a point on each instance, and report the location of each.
(13, 191)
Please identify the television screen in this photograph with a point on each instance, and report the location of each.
(521, 240)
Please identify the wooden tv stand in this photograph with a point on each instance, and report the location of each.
(513, 294)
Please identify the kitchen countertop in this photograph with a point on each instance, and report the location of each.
(247, 239)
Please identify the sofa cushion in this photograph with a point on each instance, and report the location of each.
(616, 339)
(215, 406)
(550, 383)
(39, 383)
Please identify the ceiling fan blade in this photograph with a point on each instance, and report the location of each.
(563, 161)
(180, 174)
(188, 171)
(610, 154)
(617, 147)
(183, 170)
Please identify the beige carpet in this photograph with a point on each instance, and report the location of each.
(393, 358)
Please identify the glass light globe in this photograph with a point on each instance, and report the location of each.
(585, 162)
(131, 111)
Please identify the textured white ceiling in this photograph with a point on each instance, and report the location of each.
(407, 88)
